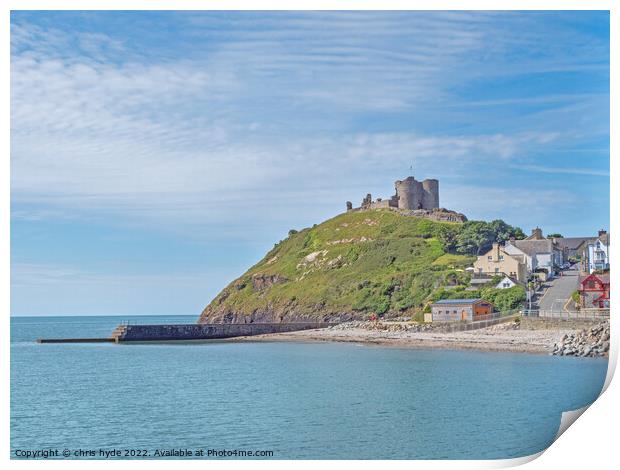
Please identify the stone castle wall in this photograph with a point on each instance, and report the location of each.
(410, 195)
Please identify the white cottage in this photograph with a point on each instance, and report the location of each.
(595, 253)
(539, 253)
(506, 283)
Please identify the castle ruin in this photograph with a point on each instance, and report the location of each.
(420, 198)
(410, 195)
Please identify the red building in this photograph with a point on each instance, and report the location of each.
(594, 291)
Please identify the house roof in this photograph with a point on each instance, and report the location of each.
(519, 257)
(533, 247)
(604, 278)
(604, 238)
(509, 278)
(572, 243)
(457, 301)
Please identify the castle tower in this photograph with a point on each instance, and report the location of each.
(409, 193)
(412, 194)
(431, 194)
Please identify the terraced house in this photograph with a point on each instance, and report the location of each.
(541, 255)
(595, 253)
(570, 245)
(499, 261)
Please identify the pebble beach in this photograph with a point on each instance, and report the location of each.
(509, 337)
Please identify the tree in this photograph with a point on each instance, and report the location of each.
(505, 299)
(554, 235)
(504, 232)
(477, 236)
(447, 235)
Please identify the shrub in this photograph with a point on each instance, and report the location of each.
(418, 317)
(504, 299)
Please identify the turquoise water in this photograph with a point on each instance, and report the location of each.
(298, 400)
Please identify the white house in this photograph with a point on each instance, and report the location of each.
(538, 252)
(595, 253)
(506, 283)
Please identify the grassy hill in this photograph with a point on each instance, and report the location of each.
(351, 266)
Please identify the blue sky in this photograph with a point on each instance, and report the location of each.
(157, 155)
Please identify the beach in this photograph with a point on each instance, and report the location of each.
(509, 337)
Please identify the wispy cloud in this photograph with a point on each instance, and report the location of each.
(211, 132)
(560, 170)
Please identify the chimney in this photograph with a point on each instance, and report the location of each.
(537, 234)
(495, 251)
(602, 232)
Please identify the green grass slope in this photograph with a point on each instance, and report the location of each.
(351, 266)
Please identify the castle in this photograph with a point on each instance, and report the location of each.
(410, 195)
(416, 198)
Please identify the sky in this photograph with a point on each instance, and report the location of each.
(155, 156)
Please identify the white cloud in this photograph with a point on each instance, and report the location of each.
(229, 128)
(560, 170)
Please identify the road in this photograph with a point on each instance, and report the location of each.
(559, 291)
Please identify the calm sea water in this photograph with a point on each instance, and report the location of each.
(299, 400)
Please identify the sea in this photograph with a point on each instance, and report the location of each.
(280, 400)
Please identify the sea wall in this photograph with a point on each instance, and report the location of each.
(591, 342)
(546, 323)
(186, 332)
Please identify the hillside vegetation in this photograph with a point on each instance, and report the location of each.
(352, 266)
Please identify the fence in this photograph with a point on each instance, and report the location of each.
(583, 314)
(493, 319)
(492, 316)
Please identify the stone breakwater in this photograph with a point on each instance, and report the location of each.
(204, 331)
(592, 342)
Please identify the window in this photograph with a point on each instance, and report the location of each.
(506, 285)
(496, 270)
(489, 258)
(591, 285)
(501, 257)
